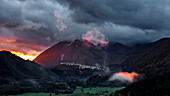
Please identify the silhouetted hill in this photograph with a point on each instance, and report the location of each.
(138, 51)
(14, 68)
(115, 54)
(155, 61)
(117, 50)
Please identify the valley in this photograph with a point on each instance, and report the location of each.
(84, 48)
(92, 70)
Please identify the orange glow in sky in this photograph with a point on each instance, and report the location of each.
(8, 40)
(30, 56)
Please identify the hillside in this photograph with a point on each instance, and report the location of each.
(137, 51)
(114, 57)
(71, 53)
(155, 61)
(16, 69)
(66, 53)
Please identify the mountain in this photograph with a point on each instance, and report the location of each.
(137, 51)
(155, 61)
(116, 50)
(14, 68)
(115, 55)
(149, 59)
(76, 53)
(73, 53)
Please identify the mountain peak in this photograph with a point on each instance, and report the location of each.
(5, 52)
(8, 54)
(70, 52)
(163, 40)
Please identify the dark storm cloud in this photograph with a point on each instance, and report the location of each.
(34, 19)
(9, 13)
(32, 22)
(144, 14)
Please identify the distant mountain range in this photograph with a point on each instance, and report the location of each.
(77, 54)
(141, 58)
(75, 59)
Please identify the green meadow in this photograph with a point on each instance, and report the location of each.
(80, 92)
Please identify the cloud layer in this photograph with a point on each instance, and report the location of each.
(27, 25)
(145, 14)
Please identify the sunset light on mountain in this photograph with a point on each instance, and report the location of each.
(84, 47)
(29, 56)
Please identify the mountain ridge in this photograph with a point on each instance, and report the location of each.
(15, 68)
(114, 57)
(71, 52)
(156, 61)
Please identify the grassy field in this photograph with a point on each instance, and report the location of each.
(78, 92)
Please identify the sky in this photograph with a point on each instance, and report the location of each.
(28, 27)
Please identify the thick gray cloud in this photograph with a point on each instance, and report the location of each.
(33, 22)
(9, 13)
(125, 21)
(144, 14)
